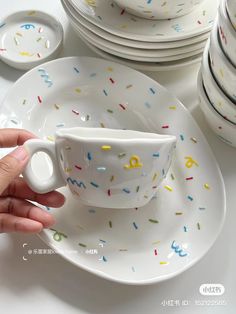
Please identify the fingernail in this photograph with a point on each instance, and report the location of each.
(19, 153)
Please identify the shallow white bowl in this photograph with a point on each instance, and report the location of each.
(223, 70)
(219, 100)
(227, 33)
(224, 129)
(231, 9)
(159, 9)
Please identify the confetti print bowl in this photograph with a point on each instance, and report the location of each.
(223, 70)
(218, 98)
(105, 167)
(231, 10)
(223, 128)
(159, 9)
(29, 38)
(227, 33)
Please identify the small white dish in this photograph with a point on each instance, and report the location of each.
(158, 10)
(227, 33)
(130, 246)
(223, 70)
(218, 98)
(84, 35)
(108, 16)
(223, 128)
(129, 42)
(29, 38)
(231, 10)
(131, 51)
(146, 66)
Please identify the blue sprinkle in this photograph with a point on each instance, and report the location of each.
(48, 208)
(163, 172)
(102, 241)
(2, 25)
(190, 198)
(182, 137)
(152, 90)
(126, 190)
(105, 92)
(60, 125)
(135, 226)
(202, 208)
(100, 18)
(156, 155)
(93, 74)
(101, 169)
(91, 210)
(185, 229)
(133, 269)
(76, 70)
(89, 156)
(104, 259)
(147, 105)
(94, 184)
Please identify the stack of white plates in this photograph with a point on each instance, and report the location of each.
(144, 44)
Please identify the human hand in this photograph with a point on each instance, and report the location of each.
(17, 214)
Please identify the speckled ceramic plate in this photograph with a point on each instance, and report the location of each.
(108, 16)
(136, 245)
(29, 38)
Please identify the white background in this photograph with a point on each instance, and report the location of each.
(48, 284)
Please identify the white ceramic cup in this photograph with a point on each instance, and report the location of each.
(159, 9)
(227, 33)
(104, 167)
(231, 9)
(223, 70)
(218, 98)
(224, 129)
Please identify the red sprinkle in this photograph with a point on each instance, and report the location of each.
(40, 99)
(122, 106)
(109, 192)
(199, 22)
(122, 12)
(189, 178)
(78, 167)
(75, 112)
(3, 49)
(155, 251)
(165, 127)
(39, 55)
(113, 82)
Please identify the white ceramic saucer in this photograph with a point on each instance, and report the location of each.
(146, 66)
(108, 16)
(135, 53)
(137, 245)
(29, 38)
(167, 48)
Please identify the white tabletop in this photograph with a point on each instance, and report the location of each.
(49, 284)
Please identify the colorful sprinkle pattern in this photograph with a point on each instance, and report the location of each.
(138, 243)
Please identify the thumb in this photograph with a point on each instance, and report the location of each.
(11, 166)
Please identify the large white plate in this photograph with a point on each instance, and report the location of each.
(134, 53)
(131, 46)
(132, 246)
(108, 16)
(146, 66)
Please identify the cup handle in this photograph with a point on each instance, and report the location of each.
(56, 180)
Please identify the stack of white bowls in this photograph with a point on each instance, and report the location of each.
(144, 34)
(217, 77)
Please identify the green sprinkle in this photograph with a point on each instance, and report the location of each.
(121, 155)
(83, 245)
(110, 224)
(153, 221)
(109, 110)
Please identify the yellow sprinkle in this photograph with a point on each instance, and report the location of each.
(25, 54)
(112, 178)
(31, 12)
(221, 73)
(178, 213)
(154, 177)
(19, 34)
(172, 107)
(51, 138)
(164, 263)
(106, 147)
(68, 170)
(78, 90)
(92, 3)
(57, 106)
(156, 242)
(102, 125)
(206, 186)
(124, 26)
(110, 69)
(167, 187)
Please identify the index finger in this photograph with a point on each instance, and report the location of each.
(14, 137)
